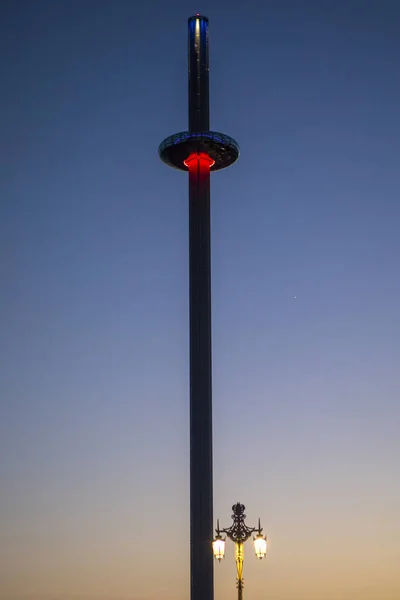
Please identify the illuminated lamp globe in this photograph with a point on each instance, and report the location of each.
(219, 548)
(260, 545)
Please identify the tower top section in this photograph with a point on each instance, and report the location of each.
(199, 111)
(221, 149)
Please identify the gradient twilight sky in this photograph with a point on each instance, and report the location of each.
(94, 298)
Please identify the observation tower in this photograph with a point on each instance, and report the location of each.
(200, 151)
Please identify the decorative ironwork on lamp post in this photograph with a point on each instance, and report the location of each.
(239, 533)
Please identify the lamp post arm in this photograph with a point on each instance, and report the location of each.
(239, 531)
(239, 535)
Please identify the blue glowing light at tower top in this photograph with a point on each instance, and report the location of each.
(197, 17)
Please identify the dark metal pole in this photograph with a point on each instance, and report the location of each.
(201, 466)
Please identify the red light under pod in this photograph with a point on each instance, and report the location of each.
(199, 158)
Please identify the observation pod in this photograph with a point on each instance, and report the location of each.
(200, 151)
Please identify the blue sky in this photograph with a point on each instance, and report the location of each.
(94, 302)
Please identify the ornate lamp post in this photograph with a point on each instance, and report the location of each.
(239, 532)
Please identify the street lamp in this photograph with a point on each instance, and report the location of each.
(238, 532)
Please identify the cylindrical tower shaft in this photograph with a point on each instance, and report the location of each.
(199, 111)
(201, 467)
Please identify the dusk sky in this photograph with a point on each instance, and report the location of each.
(94, 330)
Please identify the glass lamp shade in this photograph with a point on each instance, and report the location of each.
(219, 548)
(260, 545)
